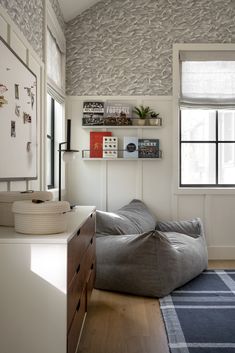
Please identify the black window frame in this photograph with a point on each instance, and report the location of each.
(51, 137)
(216, 142)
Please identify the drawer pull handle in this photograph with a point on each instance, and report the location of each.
(91, 240)
(78, 232)
(78, 268)
(78, 306)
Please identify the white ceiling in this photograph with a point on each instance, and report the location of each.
(71, 8)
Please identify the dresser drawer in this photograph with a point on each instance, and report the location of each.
(76, 326)
(78, 245)
(90, 284)
(80, 279)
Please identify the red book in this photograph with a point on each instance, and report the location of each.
(96, 143)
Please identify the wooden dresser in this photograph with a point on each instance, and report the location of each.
(45, 286)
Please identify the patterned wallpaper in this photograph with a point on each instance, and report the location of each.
(56, 7)
(28, 16)
(124, 47)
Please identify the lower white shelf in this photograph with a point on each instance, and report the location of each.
(121, 159)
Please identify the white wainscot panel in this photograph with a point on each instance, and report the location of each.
(156, 188)
(3, 28)
(121, 183)
(85, 180)
(18, 46)
(190, 206)
(222, 220)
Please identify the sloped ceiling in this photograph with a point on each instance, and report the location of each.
(72, 8)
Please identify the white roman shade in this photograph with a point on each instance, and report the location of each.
(207, 79)
(54, 60)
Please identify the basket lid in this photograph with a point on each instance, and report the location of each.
(46, 207)
(11, 196)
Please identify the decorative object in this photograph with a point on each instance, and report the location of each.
(200, 315)
(117, 113)
(142, 112)
(96, 143)
(110, 147)
(130, 147)
(45, 217)
(93, 113)
(68, 153)
(8, 197)
(155, 119)
(148, 148)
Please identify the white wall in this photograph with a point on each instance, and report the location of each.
(11, 34)
(110, 184)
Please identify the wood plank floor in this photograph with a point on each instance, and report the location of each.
(118, 323)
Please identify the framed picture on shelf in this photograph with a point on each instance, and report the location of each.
(117, 113)
(93, 113)
(148, 148)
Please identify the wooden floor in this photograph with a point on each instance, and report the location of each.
(118, 323)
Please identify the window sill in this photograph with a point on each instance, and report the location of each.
(204, 191)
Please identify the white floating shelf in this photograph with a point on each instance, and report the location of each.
(121, 159)
(100, 127)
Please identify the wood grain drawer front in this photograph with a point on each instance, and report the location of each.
(79, 281)
(78, 245)
(75, 291)
(76, 326)
(90, 284)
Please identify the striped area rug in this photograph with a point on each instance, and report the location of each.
(200, 316)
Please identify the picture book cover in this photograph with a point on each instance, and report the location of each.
(117, 113)
(96, 143)
(93, 113)
(148, 148)
(130, 147)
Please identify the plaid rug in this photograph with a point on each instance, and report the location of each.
(200, 316)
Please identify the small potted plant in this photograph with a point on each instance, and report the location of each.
(142, 112)
(155, 119)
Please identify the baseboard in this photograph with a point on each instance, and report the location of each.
(221, 252)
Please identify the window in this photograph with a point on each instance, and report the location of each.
(207, 119)
(50, 142)
(55, 132)
(55, 66)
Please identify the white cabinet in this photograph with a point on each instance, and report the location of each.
(45, 284)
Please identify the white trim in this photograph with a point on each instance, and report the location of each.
(221, 252)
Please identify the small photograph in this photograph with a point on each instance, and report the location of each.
(17, 95)
(28, 90)
(13, 129)
(32, 100)
(27, 118)
(17, 110)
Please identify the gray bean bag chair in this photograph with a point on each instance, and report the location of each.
(160, 258)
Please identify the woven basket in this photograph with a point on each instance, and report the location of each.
(8, 197)
(48, 217)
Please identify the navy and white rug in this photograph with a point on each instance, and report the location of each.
(200, 316)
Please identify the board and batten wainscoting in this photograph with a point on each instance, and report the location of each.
(109, 185)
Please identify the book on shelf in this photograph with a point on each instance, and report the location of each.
(96, 143)
(130, 147)
(148, 148)
(93, 113)
(110, 147)
(117, 113)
